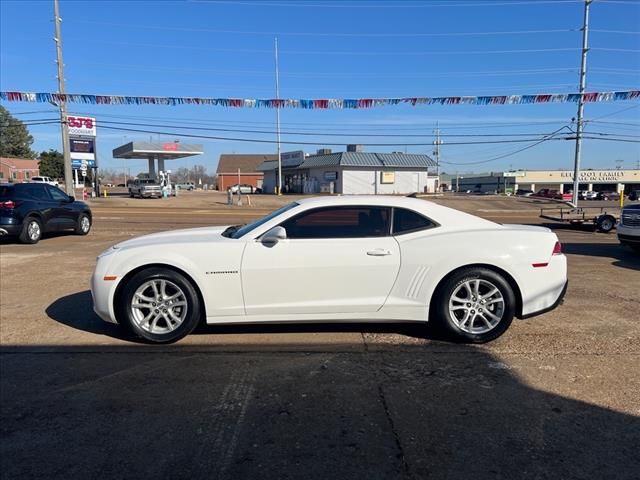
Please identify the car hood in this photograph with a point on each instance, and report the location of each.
(172, 237)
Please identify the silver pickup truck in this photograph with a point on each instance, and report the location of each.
(144, 188)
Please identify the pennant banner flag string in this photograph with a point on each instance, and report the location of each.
(317, 103)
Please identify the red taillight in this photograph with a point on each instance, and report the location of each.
(557, 249)
(10, 204)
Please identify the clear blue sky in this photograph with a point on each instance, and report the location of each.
(225, 49)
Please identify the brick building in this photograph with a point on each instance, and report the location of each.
(230, 163)
(18, 170)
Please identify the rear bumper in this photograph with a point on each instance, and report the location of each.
(10, 230)
(553, 306)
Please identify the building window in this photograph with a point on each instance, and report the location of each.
(14, 175)
(1, 174)
(26, 175)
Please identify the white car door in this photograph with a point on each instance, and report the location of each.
(334, 260)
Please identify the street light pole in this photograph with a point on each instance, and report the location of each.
(583, 82)
(278, 119)
(68, 171)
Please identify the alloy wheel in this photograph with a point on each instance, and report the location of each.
(476, 306)
(33, 230)
(159, 306)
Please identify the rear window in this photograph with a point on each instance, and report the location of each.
(6, 191)
(407, 221)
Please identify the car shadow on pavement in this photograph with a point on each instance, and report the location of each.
(624, 257)
(127, 412)
(76, 311)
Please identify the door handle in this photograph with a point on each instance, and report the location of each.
(379, 252)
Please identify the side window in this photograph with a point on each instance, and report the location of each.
(35, 191)
(57, 194)
(339, 222)
(407, 221)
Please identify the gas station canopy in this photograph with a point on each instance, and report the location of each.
(160, 151)
(165, 150)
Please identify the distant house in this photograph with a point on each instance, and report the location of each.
(18, 169)
(246, 164)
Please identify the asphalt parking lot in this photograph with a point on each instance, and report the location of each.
(558, 396)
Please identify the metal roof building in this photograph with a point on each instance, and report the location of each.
(352, 172)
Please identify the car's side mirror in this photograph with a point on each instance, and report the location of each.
(273, 236)
(72, 199)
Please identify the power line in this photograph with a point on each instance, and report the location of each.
(325, 34)
(255, 140)
(390, 5)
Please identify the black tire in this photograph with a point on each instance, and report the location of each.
(635, 248)
(84, 224)
(31, 232)
(605, 223)
(126, 316)
(130, 194)
(450, 326)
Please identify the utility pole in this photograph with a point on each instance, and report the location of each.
(436, 153)
(68, 171)
(278, 120)
(583, 82)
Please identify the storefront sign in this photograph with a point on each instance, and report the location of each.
(83, 126)
(387, 177)
(330, 176)
(292, 159)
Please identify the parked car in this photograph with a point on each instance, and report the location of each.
(352, 258)
(629, 227)
(185, 186)
(608, 196)
(591, 195)
(144, 188)
(244, 188)
(28, 210)
(634, 195)
(523, 192)
(46, 180)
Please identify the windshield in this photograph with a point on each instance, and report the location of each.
(241, 230)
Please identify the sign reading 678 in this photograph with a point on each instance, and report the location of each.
(85, 126)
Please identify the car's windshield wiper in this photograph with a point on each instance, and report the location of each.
(230, 230)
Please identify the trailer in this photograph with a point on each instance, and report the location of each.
(604, 219)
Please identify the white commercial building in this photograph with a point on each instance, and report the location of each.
(351, 172)
(616, 180)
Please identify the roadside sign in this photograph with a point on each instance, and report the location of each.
(83, 126)
(514, 174)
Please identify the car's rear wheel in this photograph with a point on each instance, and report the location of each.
(84, 224)
(474, 305)
(31, 230)
(159, 305)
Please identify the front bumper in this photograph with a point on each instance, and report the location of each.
(103, 291)
(628, 235)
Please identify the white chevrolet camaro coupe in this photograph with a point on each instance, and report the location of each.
(340, 259)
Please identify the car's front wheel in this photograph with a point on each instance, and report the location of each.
(159, 305)
(474, 305)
